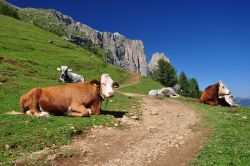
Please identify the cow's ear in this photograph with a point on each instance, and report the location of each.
(95, 82)
(69, 69)
(115, 85)
(58, 69)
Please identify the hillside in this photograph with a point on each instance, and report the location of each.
(123, 52)
(27, 61)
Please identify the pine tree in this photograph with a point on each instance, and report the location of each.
(184, 84)
(165, 73)
(194, 90)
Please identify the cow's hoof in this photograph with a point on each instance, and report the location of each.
(29, 113)
(90, 111)
(44, 114)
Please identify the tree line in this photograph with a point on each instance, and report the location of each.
(166, 74)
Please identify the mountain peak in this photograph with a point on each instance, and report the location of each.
(155, 58)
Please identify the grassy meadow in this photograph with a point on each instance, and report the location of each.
(229, 139)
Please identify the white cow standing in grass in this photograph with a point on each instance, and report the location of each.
(68, 76)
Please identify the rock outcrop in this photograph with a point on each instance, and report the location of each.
(155, 58)
(124, 52)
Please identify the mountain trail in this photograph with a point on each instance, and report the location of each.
(162, 137)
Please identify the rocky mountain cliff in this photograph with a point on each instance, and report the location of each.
(124, 52)
(155, 58)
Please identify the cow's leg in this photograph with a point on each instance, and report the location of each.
(96, 107)
(33, 112)
(77, 110)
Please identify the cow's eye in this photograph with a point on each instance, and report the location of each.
(103, 84)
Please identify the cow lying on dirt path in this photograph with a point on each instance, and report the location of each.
(167, 91)
(69, 99)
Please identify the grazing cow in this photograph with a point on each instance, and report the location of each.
(212, 93)
(168, 91)
(67, 76)
(50, 42)
(69, 99)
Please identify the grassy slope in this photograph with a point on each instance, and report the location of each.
(146, 84)
(32, 62)
(229, 142)
(48, 21)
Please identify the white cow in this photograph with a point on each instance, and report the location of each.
(153, 92)
(168, 91)
(67, 76)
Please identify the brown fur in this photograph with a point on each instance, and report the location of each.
(210, 95)
(69, 99)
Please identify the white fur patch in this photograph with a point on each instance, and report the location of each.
(90, 111)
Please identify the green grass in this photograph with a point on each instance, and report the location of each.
(29, 61)
(146, 84)
(229, 141)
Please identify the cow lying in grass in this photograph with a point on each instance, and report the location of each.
(69, 99)
(217, 94)
(228, 101)
(68, 76)
(168, 91)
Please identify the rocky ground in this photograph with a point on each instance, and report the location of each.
(162, 137)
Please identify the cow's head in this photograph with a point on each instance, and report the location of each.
(228, 99)
(63, 70)
(106, 85)
(223, 90)
(177, 88)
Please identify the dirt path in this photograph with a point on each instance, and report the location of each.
(163, 137)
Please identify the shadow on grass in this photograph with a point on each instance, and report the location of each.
(116, 114)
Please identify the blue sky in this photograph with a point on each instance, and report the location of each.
(207, 39)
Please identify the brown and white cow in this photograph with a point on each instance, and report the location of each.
(69, 99)
(213, 92)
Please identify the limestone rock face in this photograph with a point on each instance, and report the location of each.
(124, 52)
(155, 58)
